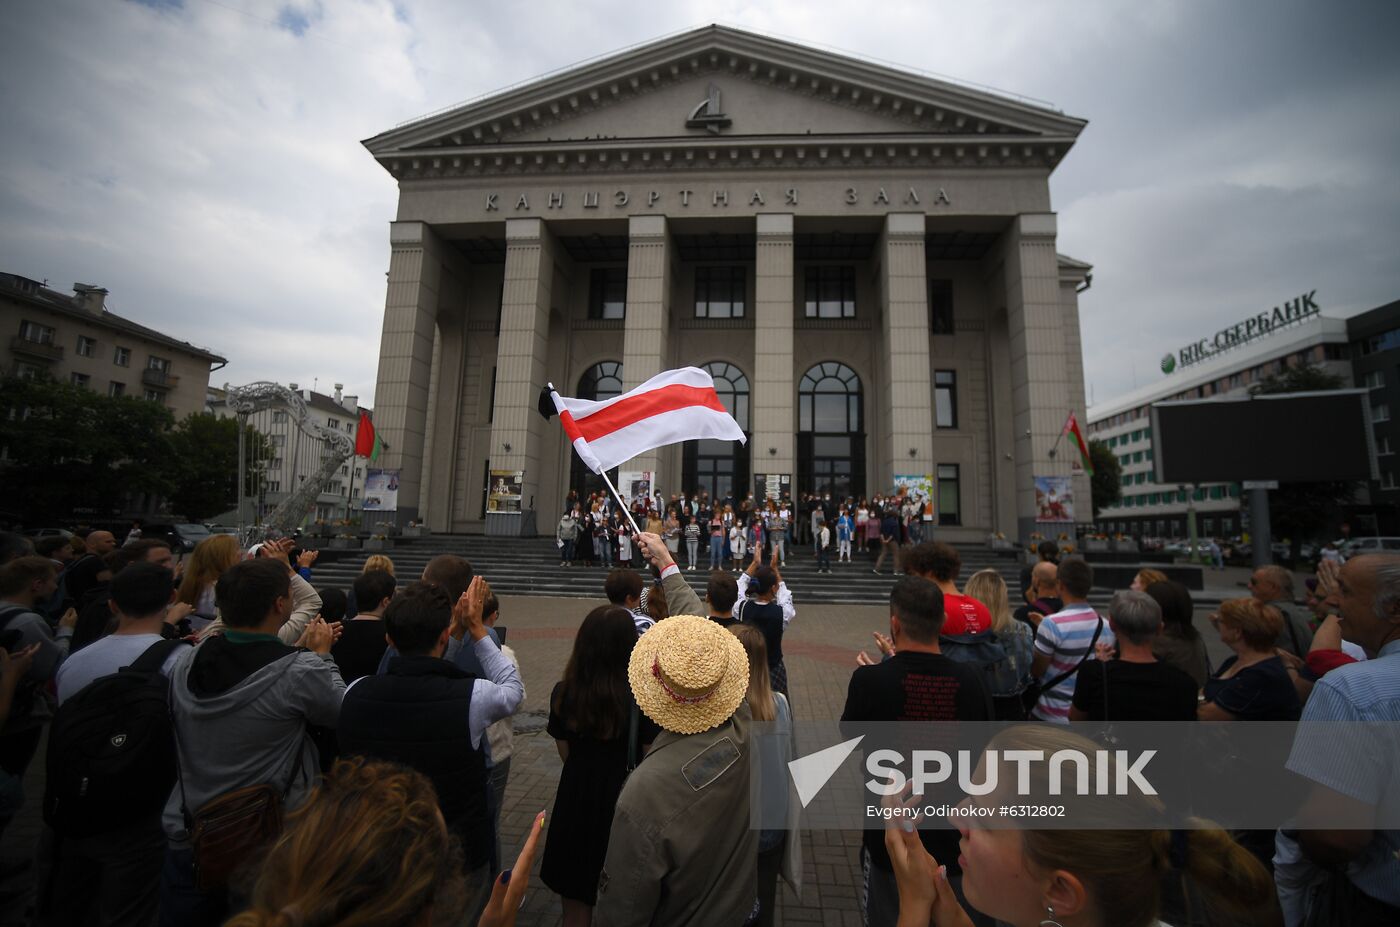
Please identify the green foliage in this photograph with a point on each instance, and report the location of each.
(68, 448)
(1301, 511)
(1106, 485)
(205, 465)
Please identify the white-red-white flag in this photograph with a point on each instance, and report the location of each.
(673, 406)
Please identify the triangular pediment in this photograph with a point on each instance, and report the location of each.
(720, 84)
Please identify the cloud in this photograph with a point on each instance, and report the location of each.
(202, 160)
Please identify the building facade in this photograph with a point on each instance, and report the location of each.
(864, 259)
(1149, 509)
(1375, 353)
(75, 339)
(292, 455)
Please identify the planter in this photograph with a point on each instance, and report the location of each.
(378, 544)
(416, 531)
(1127, 546)
(344, 544)
(1097, 547)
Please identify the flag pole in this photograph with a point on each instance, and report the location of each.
(1060, 437)
(618, 496)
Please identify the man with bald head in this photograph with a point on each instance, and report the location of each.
(1351, 769)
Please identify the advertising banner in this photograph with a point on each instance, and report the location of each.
(919, 487)
(771, 486)
(636, 486)
(504, 497)
(1054, 499)
(381, 491)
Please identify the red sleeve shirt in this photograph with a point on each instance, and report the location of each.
(964, 615)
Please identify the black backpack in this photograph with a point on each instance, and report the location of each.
(111, 756)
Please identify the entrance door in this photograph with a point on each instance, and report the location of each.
(830, 436)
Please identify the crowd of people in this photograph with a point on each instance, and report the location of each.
(726, 532)
(230, 743)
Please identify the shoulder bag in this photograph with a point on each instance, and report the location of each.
(228, 832)
(1031, 695)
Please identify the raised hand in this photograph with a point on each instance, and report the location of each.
(466, 612)
(307, 558)
(178, 611)
(508, 891)
(318, 636)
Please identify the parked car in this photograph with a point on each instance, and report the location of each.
(1372, 545)
(222, 529)
(38, 533)
(181, 536)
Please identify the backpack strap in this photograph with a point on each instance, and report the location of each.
(12, 612)
(154, 656)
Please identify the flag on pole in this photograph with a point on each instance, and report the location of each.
(367, 442)
(673, 406)
(1072, 428)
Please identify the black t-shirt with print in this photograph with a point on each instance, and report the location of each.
(912, 686)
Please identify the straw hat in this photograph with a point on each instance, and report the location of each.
(688, 674)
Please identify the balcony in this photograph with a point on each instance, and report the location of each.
(40, 350)
(159, 379)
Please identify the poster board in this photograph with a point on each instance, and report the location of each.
(381, 491)
(1054, 499)
(920, 488)
(636, 487)
(771, 486)
(504, 495)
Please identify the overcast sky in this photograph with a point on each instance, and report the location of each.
(201, 159)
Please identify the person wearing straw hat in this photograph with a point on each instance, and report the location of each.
(681, 851)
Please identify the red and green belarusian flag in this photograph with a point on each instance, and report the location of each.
(366, 439)
(1072, 428)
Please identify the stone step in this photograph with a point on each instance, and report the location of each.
(530, 566)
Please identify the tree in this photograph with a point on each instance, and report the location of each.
(205, 476)
(68, 449)
(1300, 511)
(1106, 485)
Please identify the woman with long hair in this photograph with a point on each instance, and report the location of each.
(775, 751)
(1146, 577)
(591, 716)
(369, 849)
(1016, 637)
(1179, 644)
(1111, 874)
(207, 563)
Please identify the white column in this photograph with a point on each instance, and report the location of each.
(774, 382)
(1041, 370)
(906, 395)
(517, 427)
(406, 355)
(645, 339)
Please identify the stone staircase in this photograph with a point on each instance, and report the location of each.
(530, 566)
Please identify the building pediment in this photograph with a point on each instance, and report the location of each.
(726, 90)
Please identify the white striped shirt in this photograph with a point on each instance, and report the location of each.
(1064, 637)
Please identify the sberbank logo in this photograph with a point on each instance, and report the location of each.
(1168, 363)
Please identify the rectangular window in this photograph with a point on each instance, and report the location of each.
(1217, 492)
(940, 307)
(607, 293)
(158, 363)
(719, 292)
(278, 417)
(35, 333)
(1375, 379)
(78, 379)
(949, 495)
(1383, 447)
(1380, 413)
(274, 486)
(115, 389)
(945, 398)
(274, 463)
(1137, 456)
(1148, 453)
(278, 440)
(153, 395)
(830, 291)
(122, 357)
(1137, 435)
(1156, 498)
(87, 347)
(331, 423)
(1388, 480)
(1125, 459)
(1128, 480)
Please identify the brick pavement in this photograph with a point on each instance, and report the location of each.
(819, 648)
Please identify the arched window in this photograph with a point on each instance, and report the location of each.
(830, 431)
(720, 468)
(601, 381)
